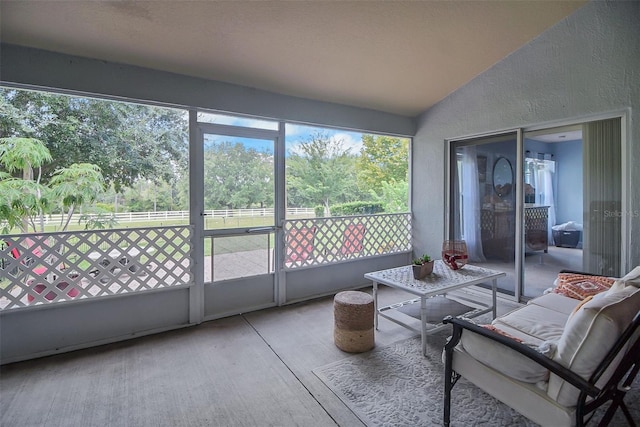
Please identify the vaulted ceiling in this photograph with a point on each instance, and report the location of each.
(394, 56)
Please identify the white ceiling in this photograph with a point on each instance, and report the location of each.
(394, 56)
(555, 135)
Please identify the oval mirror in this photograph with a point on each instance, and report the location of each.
(502, 177)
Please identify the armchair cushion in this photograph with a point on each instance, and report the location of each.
(630, 279)
(536, 326)
(589, 335)
(556, 302)
(504, 360)
(532, 401)
(538, 323)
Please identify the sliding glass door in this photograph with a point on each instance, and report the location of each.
(482, 202)
(552, 202)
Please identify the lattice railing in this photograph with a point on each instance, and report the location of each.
(317, 241)
(53, 267)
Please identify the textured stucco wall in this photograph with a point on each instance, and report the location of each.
(586, 65)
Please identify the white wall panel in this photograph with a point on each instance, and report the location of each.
(28, 333)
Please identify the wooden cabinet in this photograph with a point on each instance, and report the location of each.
(536, 231)
(498, 231)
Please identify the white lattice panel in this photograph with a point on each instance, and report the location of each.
(317, 241)
(52, 267)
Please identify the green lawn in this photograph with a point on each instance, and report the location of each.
(210, 223)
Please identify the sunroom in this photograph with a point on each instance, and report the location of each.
(557, 106)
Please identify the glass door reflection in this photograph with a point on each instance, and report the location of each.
(483, 202)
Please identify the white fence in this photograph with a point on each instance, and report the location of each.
(124, 217)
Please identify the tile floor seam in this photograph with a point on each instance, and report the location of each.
(289, 369)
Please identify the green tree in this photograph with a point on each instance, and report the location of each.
(394, 196)
(382, 159)
(126, 141)
(237, 176)
(21, 202)
(23, 154)
(22, 199)
(147, 195)
(321, 172)
(79, 184)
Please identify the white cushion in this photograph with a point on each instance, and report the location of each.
(534, 325)
(632, 278)
(502, 359)
(589, 334)
(536, 322)
(556, 302)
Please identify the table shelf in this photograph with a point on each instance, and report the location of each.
(441, 286)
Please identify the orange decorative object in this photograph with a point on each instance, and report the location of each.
(454, 253)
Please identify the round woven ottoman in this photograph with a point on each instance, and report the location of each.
(353, 326)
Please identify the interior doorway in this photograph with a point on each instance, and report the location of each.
(553, 203)
(573, 174)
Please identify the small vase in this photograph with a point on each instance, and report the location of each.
(422, 271)
(454, 254)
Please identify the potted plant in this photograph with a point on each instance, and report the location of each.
(422, 267)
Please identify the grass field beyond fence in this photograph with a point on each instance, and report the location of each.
(214, 219)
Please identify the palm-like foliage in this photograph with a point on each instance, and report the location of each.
(76, 185)
(24, 200)
(23, 153)
(21, 200)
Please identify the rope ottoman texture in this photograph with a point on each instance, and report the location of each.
(353, 326)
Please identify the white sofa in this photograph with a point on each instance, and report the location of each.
(556, 359)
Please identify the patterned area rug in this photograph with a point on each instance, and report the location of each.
(396, 386)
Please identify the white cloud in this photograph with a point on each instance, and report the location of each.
(295, 131)
(223, 119)
(350, 140)
(297, 134)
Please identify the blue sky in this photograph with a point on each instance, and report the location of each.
(294, 133)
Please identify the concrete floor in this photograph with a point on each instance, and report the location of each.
(540, 269)
(248, 370)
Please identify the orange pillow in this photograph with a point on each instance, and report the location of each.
(580, 286)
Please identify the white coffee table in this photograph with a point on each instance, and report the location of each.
(443, 281)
